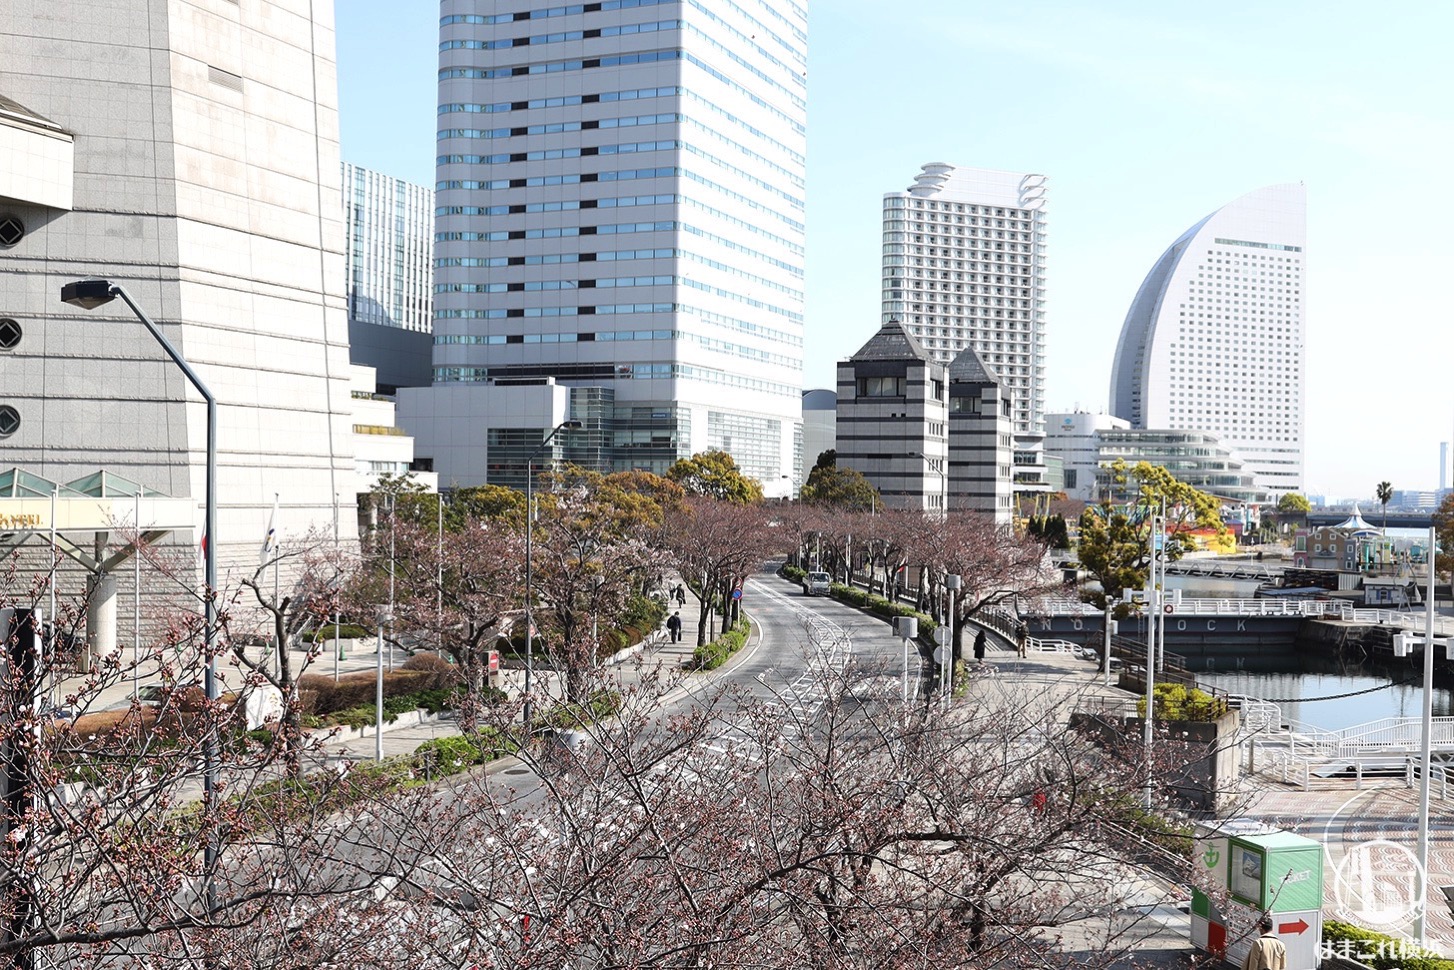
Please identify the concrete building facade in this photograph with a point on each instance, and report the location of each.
(820, 426)
(981, 439)
(1215, 339)
(189, 153)
(893, 419)
(964, 268)
(620, 206)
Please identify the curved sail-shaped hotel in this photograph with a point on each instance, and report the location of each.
(1214, 338)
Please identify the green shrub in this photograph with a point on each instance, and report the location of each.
(449, 755)
(793, 573)
(602, 704)
(715, 654)
(346, 631)
(879, 606)
(1175, 703)
(1379, 950)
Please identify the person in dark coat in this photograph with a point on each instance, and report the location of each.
(979, 643)
(674, 627)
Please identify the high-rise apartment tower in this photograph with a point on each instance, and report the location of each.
(619, 233)
(964, 266)
(1214, 340)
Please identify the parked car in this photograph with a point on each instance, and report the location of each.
(817, 584)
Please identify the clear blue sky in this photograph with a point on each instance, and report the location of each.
(1145, 116)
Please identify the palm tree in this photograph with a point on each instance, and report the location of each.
(1384, 491)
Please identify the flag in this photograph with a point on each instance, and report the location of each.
(270, 541)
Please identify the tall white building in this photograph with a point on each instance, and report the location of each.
(620, 210)
(964, 267)
(188, 152)
(1214, 340)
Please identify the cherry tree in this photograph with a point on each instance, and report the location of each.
(715, 545)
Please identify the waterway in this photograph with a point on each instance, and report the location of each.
(1308, 690)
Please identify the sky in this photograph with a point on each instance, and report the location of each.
(1145, 117)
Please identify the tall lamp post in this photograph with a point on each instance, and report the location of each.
(530, 558)
(88, 295)
(937, 465)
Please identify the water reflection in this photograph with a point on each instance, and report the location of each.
(1300, 681)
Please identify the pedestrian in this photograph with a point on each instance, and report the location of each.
(1268, 952)
(681, 595)
(674, 627)
(979, 645)
(1022, 639)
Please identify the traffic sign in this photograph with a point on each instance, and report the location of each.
(941, 654)
(942, 634)
(737, 593)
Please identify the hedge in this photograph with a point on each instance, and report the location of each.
(643, 616)
(1379, 950)
(793, 573)
(879, 606)
(322, 695)
(715, 654)
(346, 631)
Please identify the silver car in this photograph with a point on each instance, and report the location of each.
(817, 584)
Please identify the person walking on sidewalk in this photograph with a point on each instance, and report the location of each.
(674, 627)
(1268, 952)
(979, 645)
(681, 595)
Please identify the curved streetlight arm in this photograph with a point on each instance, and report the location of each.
(88, 295)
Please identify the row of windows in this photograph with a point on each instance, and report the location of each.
(550, 259)
(603, 230)
(546, 12)
(642, 57)
(559, 127)
(505, 43)
(630, 148)
(634, 94)
(617, 336)
(615, 96)
(630, 371)
(565, 205)
(732, 323)
(617, 283)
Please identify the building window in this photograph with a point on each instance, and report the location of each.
(9, 420)
(10, 333)
(881, 386)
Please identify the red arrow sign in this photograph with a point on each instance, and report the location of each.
(1298, 928)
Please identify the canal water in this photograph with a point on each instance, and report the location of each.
(1307, 683)
(1314, 697)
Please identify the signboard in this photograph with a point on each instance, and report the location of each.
(494, 661)
(737, 593)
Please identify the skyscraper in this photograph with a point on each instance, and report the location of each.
(1214, 340)
(964, 266)
(620, 213)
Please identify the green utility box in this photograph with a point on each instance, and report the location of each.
(1251, 869)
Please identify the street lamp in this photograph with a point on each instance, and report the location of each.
(88, 295)
(530, 557)
(937, 465)
(952, 583)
